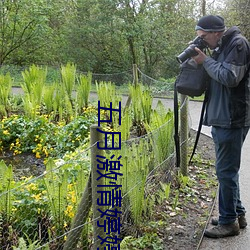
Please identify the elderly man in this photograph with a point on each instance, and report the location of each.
(228, 112)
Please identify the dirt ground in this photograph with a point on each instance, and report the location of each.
(187, 223)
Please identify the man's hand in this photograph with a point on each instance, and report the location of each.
(200, 58)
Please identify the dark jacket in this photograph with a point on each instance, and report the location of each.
(229, 90)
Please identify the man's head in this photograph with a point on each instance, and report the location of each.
(211, 28)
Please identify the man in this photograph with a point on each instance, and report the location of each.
(228, 112)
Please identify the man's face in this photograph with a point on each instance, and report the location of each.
(211, 38)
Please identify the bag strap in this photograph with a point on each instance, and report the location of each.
(176, 126)
(199, 127)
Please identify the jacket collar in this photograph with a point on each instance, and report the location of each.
(231, 32)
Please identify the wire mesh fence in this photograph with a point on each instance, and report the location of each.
(73, 206)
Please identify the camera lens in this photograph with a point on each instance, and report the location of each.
(187, 53)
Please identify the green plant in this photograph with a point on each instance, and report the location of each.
(176, 199)
(147, 241)
(56, 187)
(28, 244)
(34, 81)
(106, 95)
(184, 181)
(135, 171)
(141, 109)
(30, 208)
(48, 98)
(165, 191)
(161, 128)
(42, 136)
(126, 124)
(6, 196)
(83, 91)
(68, 74)
(5, 90)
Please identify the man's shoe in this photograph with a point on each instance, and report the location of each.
(221, 231)
(241, 219)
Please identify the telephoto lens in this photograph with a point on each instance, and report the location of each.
(190, 50)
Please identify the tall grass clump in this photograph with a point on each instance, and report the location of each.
(141, 106)
(33, 85)
(161, 132)
(107, 94)
(68, 74)
(5, 90)
(83, 91)
(136, 160)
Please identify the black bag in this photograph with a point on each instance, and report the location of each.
(192, 80)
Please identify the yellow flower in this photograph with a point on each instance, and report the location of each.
(38, 156)
(73, 199)
(37, 196)
(69, 211)
(6, 132)
(45, 151)
(14, 209)
(31, 187)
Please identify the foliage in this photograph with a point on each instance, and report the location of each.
(22, 23)
(108, 97)
(135, 170)
(161, 127)
(83, 91)
(22, 245)
(141, 110)
(51, 200)
(5, 90)
(34, 81)
(147, 241)
(106, 36)
(68, 74)
(43, 206)
(43, 137)
(6, 184)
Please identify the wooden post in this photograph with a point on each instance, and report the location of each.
(184, 135)
(95, 137)
(135, 74)
(135, 82)
(80, 218)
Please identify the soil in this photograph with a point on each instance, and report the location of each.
(25, 164)
(188, 221)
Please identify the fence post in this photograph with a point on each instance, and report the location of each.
(80, 218)
(95, 137)
(184, 135)
(135, 74)
(135, 82)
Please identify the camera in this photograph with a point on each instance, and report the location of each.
(190, 51)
